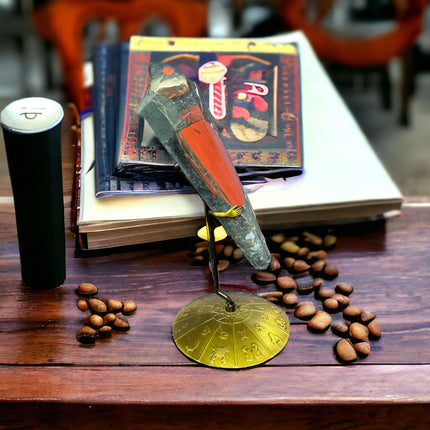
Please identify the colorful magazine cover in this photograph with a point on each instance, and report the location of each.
(252, 89)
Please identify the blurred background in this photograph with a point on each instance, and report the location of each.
(376, 52)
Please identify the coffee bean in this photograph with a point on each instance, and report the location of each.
(105, 332)
(320, 322)
(352, 313)
(201, 250)
(362, 348)
(304, 288)
(87, 289)
(325, 293)
(305, 310)
(317, 268)
(96, 321)
(341, 299)
(300, 266)
(331, 305)
(86, 335)
(344, 288)
(228, 251)
(312, 239)
(97, 306)
(289, 262)
(199, 260)
(114, 305)
(358, 331)
(129, 307)
(237, 254)
(263, 278)
(330, 271)
(109, 318)
(223, 265)
(366, 317)
(340, 328)
(374, 330)
(329, 241)
(303, 252)
(290, 299)
(121, 324)
(289, 247)
(274, 265)
(345, 351)
(278, 238)
(82, 305)
(286, 283)
(272, 296)
(314, 256)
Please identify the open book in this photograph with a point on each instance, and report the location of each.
(343, 179)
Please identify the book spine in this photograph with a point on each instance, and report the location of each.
(106, 60)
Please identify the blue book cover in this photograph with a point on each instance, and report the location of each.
(110, 65)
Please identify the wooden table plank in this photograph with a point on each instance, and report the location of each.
(194, 385)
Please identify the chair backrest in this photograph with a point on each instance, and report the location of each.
(62, 22)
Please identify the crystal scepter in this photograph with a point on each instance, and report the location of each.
(173, 108)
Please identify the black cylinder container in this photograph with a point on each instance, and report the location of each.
(32, 134)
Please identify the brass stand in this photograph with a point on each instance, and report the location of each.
(233, 331)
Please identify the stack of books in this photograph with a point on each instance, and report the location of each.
(298, 150)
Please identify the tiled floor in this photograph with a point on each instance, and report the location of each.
(405, 151)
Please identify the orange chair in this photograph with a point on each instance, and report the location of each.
(61, 22)
(356, 52)
(364, 52)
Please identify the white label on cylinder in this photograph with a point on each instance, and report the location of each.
(31, 115)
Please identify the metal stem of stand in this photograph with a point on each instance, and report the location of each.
(213, 262)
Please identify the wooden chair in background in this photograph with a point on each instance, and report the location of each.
(61, 22)
(366, 52)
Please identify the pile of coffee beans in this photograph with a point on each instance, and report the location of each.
(105, 316)
(300, 272)
(356, 328)
(227, 253)
(303, 256)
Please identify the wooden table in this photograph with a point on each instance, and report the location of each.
(139, 379)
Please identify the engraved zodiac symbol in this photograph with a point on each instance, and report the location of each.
(191, 349)
(219, 353)
(281, 323)
(276, 340)
(181, 327)
(242, 334)
(224, 335)
(255, 351)
(252, 354)
(206, 330)
(259, 327)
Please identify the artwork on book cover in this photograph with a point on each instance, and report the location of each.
(252, 89)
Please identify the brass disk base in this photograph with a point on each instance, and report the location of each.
(255, 332)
